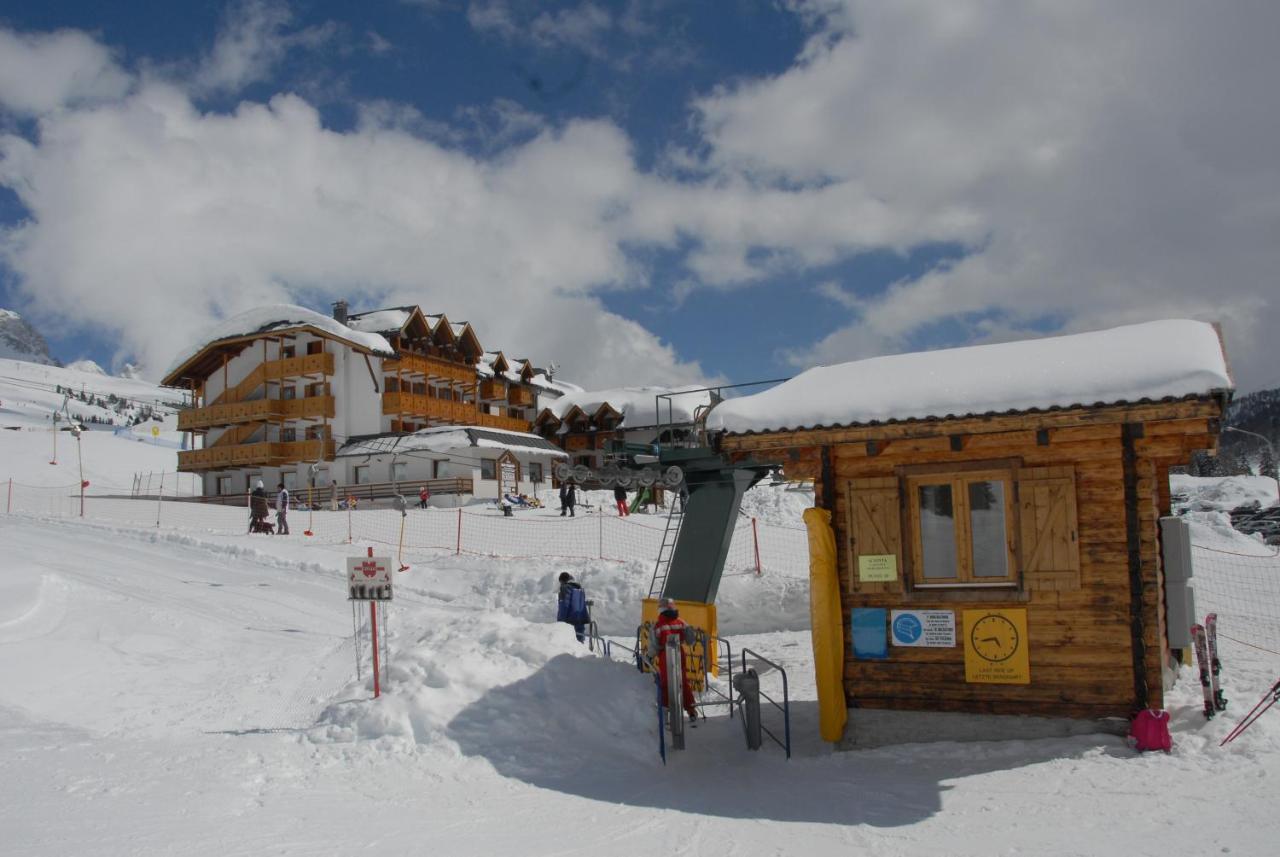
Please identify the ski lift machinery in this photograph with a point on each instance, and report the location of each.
(699, 530)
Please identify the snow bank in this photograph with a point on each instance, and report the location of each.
(1156, 360)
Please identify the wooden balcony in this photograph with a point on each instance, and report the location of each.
(263, 454)
(260, 410)
(431, 368)
(520, 397)
(426, 407)
(504, 422)
(493, 390)
(308, 365)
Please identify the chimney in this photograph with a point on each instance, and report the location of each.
(340, 312)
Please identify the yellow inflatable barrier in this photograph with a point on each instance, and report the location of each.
(828, 628)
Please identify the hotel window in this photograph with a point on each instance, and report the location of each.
(488, 469)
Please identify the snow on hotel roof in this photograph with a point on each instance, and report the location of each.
(637, 404)
(443, 439)
(274, 317)
(1151, 361)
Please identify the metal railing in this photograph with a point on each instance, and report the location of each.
(784, 706)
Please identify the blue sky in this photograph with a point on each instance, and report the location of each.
(643, 192)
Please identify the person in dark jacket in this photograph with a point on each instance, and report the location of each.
(564, 606)
(620, 497)
(568, 498)
(258, 507)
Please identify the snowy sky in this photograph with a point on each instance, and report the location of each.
(644, 192)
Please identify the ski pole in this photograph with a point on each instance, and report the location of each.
(1257, 711)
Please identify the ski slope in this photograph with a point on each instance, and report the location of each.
(169, 691)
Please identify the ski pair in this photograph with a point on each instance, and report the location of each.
(1205, 639)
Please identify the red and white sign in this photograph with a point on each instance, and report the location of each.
(369, 578)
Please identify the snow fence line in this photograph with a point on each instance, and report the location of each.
(757, 547)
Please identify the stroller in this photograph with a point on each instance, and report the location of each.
(258, 512)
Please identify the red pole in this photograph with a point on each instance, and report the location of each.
(458, 550)
(755, 539)
(373, 625)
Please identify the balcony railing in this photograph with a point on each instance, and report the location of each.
(520, 397)
(278, 370)
(493, 390)
(504, 422)
(426, 407)
(231, 413)
(432, 368)
(264, 453)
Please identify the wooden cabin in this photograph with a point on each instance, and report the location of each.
(995, 510)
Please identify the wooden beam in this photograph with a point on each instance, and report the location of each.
(1133, 543)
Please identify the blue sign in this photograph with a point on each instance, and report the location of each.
(869, 626)
(906, 630)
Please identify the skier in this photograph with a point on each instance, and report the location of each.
(572, 604)
(669, 622)
(282, 510)
(620, 497)
(423, 496)
(568, 498)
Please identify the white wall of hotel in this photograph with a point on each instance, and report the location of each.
(482, 465)
(357, 411)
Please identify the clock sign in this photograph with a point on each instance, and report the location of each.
(994, 638)
(995, 647)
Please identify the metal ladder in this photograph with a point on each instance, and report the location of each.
(669, 538)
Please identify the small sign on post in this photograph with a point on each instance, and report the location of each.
(369, 579)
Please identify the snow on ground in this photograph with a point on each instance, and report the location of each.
(111, 454)
(188, 689)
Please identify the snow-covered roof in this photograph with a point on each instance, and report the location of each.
(636, 404)
(1140, 362)
(444, 439)
(277, 317)
(379, 321)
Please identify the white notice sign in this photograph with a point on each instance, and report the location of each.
(369, 578)
(931, 628)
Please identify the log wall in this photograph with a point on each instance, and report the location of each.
(1096, 636)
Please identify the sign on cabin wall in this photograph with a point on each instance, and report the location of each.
(923, 628)
(995, 647)
(877, 568)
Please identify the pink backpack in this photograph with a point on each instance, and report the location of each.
(1150, 730)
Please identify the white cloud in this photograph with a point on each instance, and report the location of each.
(1101, 163)
(1104, 163)
(150, 217)
(41, 72)
(253, 39)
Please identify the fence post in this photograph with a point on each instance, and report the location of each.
(159, 498)
(9, 507)
(600, 537)
(755, 540)
(458, 550)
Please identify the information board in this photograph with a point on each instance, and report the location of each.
(877, 568)
(923, 628)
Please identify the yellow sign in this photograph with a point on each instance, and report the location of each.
(155, 431)
(877, 568)
(995, 647)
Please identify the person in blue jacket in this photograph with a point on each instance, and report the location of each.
(572, 605)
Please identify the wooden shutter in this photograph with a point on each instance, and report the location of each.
(1049, 546)
(875, 529)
